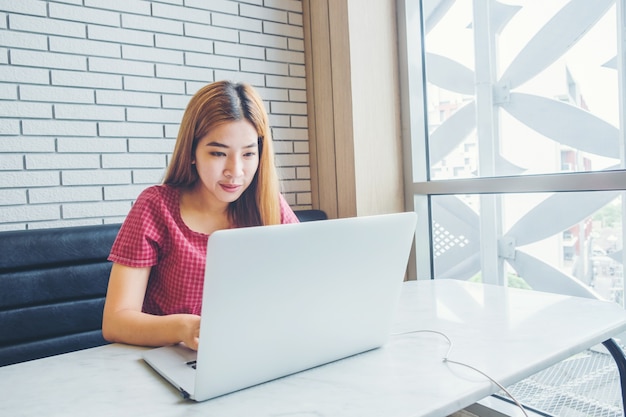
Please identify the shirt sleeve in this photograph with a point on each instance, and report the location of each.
(140, 237)
(286, 213)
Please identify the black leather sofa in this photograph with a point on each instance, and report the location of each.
(52, 288)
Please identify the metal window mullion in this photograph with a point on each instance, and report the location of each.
(487, 130)
(621, 85)
(544, 183)
(415, 130)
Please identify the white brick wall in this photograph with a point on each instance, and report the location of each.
(92, 92)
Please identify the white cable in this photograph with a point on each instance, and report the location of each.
(448, 360)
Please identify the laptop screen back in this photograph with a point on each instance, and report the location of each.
(281, 299)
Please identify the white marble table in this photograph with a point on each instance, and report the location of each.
(508, 334)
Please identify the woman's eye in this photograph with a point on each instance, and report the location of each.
(217, 153)
(249, 154)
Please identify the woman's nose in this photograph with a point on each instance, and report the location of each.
(234, 168)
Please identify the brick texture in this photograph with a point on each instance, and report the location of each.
(92, 92)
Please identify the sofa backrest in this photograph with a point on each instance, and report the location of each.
(52, 288)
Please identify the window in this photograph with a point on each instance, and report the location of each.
(522, 140)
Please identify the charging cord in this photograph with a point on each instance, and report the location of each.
(446, 359)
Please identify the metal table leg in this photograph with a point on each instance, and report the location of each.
(620, 360)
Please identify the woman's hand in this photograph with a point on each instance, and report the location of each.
(190, 330)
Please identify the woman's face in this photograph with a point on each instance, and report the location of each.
(226, 160)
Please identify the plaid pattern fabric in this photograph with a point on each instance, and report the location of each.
(154, 235)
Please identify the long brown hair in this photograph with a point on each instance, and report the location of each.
(212, 105)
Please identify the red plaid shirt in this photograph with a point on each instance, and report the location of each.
(155, 235)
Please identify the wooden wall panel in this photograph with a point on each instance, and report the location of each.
(354, 111)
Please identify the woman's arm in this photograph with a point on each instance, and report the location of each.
(123, 321)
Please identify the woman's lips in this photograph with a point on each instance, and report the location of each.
(230, 188)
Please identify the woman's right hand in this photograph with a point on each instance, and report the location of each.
(190, 330)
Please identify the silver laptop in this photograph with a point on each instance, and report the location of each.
(282, 299)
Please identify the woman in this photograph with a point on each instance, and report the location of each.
(221, 175)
